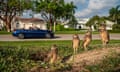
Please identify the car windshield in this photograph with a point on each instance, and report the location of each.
(34, 28)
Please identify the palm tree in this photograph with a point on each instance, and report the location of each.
(54, 9)
(114, 14)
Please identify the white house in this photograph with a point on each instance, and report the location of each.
(109, 24)
(82, 24)
(27, 23)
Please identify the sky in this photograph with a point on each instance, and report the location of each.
(89, 8)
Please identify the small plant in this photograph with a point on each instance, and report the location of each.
(14, 59)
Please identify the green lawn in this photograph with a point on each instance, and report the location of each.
(82, 32)
(67, 32)
(4, 32)
(73, 32)
(49, 43)
(21, 56)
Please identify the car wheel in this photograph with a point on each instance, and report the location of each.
(48, 35)
(21, 36)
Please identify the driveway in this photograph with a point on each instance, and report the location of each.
(57, 37)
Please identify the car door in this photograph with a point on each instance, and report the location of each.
(40, 33)
(37, 33)
(29, 33)
(33, 33)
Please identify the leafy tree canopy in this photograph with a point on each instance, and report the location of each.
(52, 10)
(10, 8)
(114, 14)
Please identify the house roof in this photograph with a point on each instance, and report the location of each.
(29, 19)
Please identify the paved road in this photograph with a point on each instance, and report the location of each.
(57, 37)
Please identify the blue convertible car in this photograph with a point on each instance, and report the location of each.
(22, 33)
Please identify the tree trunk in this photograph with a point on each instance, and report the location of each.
(8, 26)
(50, 28)
(116, 21)
(54, 25)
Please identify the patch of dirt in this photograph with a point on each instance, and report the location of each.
(42, 56)
(92, 57)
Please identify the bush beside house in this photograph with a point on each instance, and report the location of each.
(116, 27)
(60, 27)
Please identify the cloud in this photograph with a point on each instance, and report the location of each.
(98, 7)
(38, 15)
(83, 13)
(76, 1)
(27, 13)
(100, 4)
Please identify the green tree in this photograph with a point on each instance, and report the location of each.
(68, 10)
(114, 14)
(10, 8)
(95, 21)
(53, 10)
(73, 22)
(92, 21)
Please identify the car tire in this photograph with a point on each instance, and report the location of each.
(21, 36)
(48, 35)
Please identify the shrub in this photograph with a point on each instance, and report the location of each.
(3, 28)
(14, 59)
(116, 27)
(114, 31)
(61, 28)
